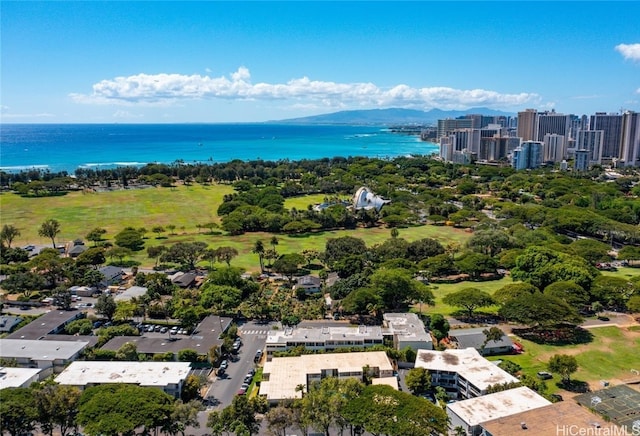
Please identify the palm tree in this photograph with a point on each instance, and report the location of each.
(50, 229)
(258, 248)
(274, 242)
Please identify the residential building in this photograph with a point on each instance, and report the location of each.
(470, 414)
(50, 323)
(552, 122)
(407, 330)
(18, 377)
(592, 141)
(324, 338)
(555, 419)
(8, 323)
(475, 338)
(112, 275)
(581, 161)
(448, 125)
(463, 373)
(168, 376)
(527, 121)
(630, 146)
(282, 377)
(309, 284)
(51, 356)
(527, 156)
(611, 125)
(132, 292)
(554, 148)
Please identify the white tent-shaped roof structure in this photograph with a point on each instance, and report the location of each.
(365, 199)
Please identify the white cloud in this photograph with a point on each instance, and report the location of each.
(126, 114)
(629, 51)
(166, 89)
(638, 91)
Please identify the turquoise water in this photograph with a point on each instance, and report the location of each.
(65, 147)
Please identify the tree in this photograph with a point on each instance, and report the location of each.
(128, 352)
(612, 291)
(239, 417)
(591, 250)
(8, 234)
(184, 415)
(383, 410)
(96, 235)
(122, 408)
(18, 414)
(288, 265)
(154, 252)
(92, 257)
(188, 355)
(492, 334)
(57, 407)
(633, 304)
(513, 291)
(469, 298)
(79, 326)
(337, 248)
(191, 387)
(226, 254)
(439, 327)
(564, 365)
(539, 310)
(130, 238)
(278, 419)
(106, 306)
(569, 292)
(397, 287)
(423, 249)
(476, 264)
(158, 230)
(119, 252)
(418, 380)
(489, 242)
(50, 229)
(258, 248)
(23, 282)
(186, 254)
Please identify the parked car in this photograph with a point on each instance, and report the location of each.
(248, 378)
(258, 356)
(224, 364)
(544, 375)
(163, 330)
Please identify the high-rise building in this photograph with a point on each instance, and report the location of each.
(527, 156)
(630, 148)
(550, 123)
(591, 140)
(555, 148)
(527, 124)
(448, 125)
(611, 125)
(581, 162)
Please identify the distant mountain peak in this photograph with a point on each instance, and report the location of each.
(390, 116)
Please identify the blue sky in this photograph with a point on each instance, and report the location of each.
(254, 61)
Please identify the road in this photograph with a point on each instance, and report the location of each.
(224, 388)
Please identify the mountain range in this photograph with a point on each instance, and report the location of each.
(391, 116)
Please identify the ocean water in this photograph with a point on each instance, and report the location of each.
(65, 147)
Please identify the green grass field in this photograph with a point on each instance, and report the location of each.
(183, 206)
(610, 356)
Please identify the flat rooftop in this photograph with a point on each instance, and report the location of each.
(407, 326)
(45, 324)
(286, 373)
(550, 420)
(324, 334)
(388, 381)
(132, 292)
(468, 363)
(156, 374)
(492, 406)
(40, 350)
(16, 377)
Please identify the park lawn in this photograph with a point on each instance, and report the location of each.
(80, 212)
(623, 272)
(610, 356)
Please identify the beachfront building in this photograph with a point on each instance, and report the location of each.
(470, 414)
(51, 356)
(285, 378)
(18, 377)
(168, 376)
(462, 373)
(322, 338)
(406, 330)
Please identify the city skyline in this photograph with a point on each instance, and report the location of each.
(151, 62)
